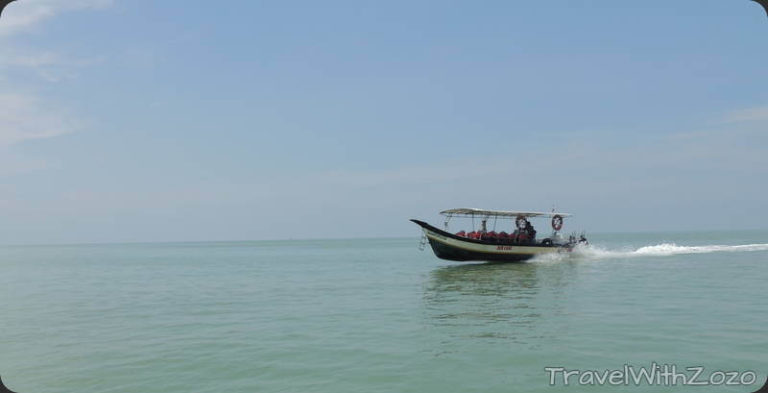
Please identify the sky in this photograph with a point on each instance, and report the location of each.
(134, 121)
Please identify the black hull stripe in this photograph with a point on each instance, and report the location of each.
(447, 252)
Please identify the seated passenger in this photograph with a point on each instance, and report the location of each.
(461, 233)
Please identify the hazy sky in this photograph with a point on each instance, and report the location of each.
(177, 120)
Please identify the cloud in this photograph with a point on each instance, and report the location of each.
(25, 118)
(27, 15)
(748, 115)
(23, 16)
(42, 59)
(48, 65)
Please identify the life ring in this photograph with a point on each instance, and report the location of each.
(520, 222)
(557, 222)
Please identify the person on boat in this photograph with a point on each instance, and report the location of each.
(530, 231)
(519, 235)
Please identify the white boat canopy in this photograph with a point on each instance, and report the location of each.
(470, 212)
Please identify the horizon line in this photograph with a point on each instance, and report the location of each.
(159, 242)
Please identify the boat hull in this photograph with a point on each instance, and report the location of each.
(450, 247)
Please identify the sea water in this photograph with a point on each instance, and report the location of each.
(377, 315)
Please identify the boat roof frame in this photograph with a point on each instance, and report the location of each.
(472, 212)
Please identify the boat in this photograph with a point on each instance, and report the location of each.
(484, 245)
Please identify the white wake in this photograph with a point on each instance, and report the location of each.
(659, 250)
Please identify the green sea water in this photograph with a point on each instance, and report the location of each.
(379, 315)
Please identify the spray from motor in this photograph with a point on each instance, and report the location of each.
(659, 250)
